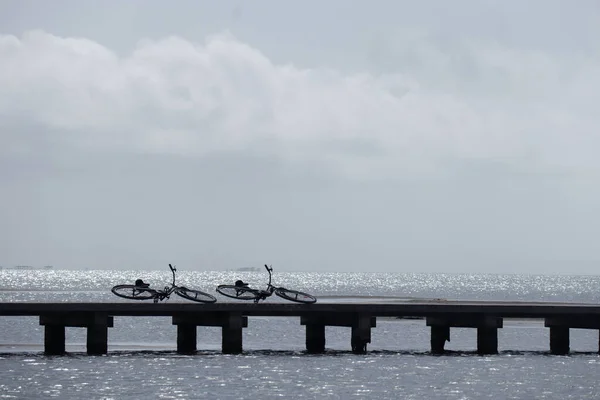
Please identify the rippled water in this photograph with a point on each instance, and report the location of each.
(142, 362)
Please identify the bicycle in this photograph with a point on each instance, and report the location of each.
(142, 291)
(242, 291)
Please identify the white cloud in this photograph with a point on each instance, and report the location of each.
(493, 121)
(174, 96)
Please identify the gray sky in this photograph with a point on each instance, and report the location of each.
(326, 136)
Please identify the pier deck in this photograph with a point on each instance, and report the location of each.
(358, 314)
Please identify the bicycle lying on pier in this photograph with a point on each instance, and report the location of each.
(142, 291)
(242, 291)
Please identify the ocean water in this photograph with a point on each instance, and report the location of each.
(142, 361)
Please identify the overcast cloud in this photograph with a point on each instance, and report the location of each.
(336, 136)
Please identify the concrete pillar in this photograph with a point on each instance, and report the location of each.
(361, 334)
(360, 324)
(439, 336)
(559, 330)
(315, 338)
(97, 339)
(54, 339)
(559, 340)
(231, 325)
(487, 330)
(186, 338)
(97, 325)
(232, 333)
(487, 340)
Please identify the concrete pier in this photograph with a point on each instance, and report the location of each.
(360, 324)
(315, 338)
(97, 324)
(232, 318)
(231, 325)
(559, 340)
(487, 340)
(486, 325)
(361, 332)
(54, 339)
(232, 333)
(187, 338)
(560, 326)
(440, 334)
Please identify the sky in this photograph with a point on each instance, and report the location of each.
(359, 136)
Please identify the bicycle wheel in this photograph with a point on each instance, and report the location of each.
(133, 292)
(195, 295)
(294, 295)
(237, 292)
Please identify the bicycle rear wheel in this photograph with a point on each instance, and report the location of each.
(133, 292)
(294, 295)
(195, 295)
(237, 292)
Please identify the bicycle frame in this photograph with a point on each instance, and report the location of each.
(270, 287)
(263, 294)
(167, 291)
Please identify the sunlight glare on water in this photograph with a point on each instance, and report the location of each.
(142, 361)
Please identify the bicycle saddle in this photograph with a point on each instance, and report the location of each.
(141, 283)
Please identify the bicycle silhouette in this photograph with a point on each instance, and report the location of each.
(242, 291)
(142, 291)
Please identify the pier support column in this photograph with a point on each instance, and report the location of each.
(315, 332)
(487, 330)
(54, 340)
(97, 325)
(232, 333)
(361, 334)
(559, 329)
(439, 336)
(487, 340)
(315, 338)
(360, 324)
(97, 339)
(559, 340)
(186, 338)
(97, 332)
(231, 324)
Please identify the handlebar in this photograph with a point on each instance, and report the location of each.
(270, 269)
(172, 268)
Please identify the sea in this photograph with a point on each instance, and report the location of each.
(142, 362)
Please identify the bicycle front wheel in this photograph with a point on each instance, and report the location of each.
(195, 295)
(237, 292)
(133, 292)
(294, 295)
